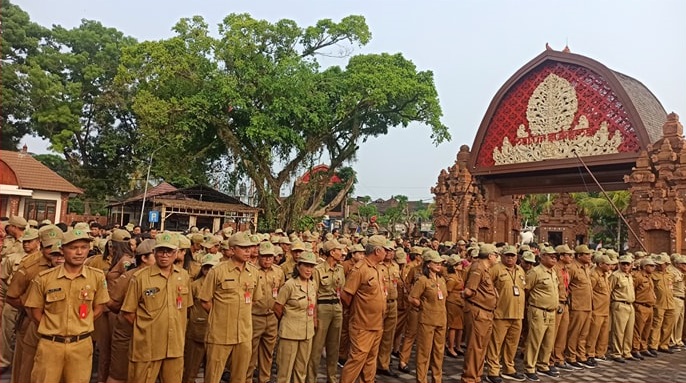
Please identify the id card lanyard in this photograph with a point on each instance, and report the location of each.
(515, 288)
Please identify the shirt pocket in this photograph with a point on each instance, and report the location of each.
(230, 286)
(56, 301)
(153, 301)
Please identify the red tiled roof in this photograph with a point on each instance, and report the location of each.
(162, 188)
(32, 174)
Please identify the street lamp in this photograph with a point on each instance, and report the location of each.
(147, 178)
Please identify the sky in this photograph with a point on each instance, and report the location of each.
(472, 47)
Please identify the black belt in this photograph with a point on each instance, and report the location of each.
(682, 298)
(328, 301)
(65, 339)
(643, 304)
(541, 308)
(625, 302)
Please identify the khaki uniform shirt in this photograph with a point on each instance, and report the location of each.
(29, 268)
(347, 265)
(580, 289)
(328, 281)
(391, 274)
(664, 297)
(197, 322)
(271, 281)
(365, 284)
(432, 295)
(643, 286)
(10, 246)
(542, 284)
(287, 268)
(117, 289)
(480, 282)
(10, 265)
(677, 281)
(232, 293)
(601, 293)
(60, 298)
(99, 262)
(297, 322)
(510, 284)
(621, 287)
(455, 285)
(161, 307)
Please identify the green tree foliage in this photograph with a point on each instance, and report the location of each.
(534, 205)
(607, 226)
(19, 44)
(258, 95)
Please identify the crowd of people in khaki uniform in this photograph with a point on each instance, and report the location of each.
(166, 305)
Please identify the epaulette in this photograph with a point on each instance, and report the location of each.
(95, 270)
(48, 271)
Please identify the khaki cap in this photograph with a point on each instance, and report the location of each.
(607, 260)
(432, 256)
(400, 256)
(377, 241)
(266, 249)
(528, 256)
(30, 234)
(210, 259)
(184, 242)
(224, 245)
(32, 223)
(18, 221)
(46, 222)
(647, 261)
(659, 259)
(509, 250)
(625, 259)
(120, 235)
(461, 242)
(241, 239)
(298, 245)
(564, 249)
(612, 254)
(278, 250)
(416, 250)
(83, 226)
(75, 235)
(308, 257)
(453, 260)
(525, 248)
(548, 250)
(308, 237)
(331, 245)
(679, 259)
(166, 239)
(49, 234)
(227, 231)
(487, 249)
(285, 240)
(582, 249)
(390, 245)
(210, 241)
(146, 247)
(197, 238)
(640, 254)
(357, 248)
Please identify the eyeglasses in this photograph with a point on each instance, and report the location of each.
(164, 251)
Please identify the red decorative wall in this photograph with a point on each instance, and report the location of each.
(596, 100)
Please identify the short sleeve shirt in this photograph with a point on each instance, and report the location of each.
(480, 282)
(432, 294)
(621, 287)
(510, 284)
(328, 280)
(61, 300)
(541, 282)
(662, 283)
(232, 292)
(601, 293)
(297, 322)
(455, 285)
(161, 306)
(580, 289)
(365, 284)
(271, 281)
(29, 268)
(643, 286)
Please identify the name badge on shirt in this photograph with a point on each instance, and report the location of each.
(515, 291)
(248, 297)
(440, 294)
(275, 292)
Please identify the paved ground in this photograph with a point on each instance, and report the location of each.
(664, 369)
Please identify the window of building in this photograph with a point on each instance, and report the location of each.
(40, 209)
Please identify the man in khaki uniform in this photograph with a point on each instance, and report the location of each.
(413, 271)
(543, 302)
(297, 248)
(391, 273)
(510, 282)
(643, 306)
(401, 260)
(265, 326)
(65, 301)
(228, 293)
(580, 296)
(482, 297)
(679, 263)
(14, 231)
(363, 293)
(599, 331)
(156, 304)
(17, 292)
(565, 257)
(663, 310)
(329, 279)
(622, 297)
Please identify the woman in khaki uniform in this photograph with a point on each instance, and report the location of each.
(429, 293)
(295, 308)
(122, 331)
(454, 306)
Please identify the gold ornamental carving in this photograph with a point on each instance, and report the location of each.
(550, 135)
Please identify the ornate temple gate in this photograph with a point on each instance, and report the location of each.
(558, 106)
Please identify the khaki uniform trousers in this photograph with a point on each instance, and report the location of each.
(292, 360)
(169, 370)
(265, 329)
(217, 356)
(8, 321)
(327, 335)
(481, 323)
(122, 333)
(386, 346)
(193, 354)
(504, 341)
(430, 352)
(561, 329)
(678, 333)
(25, 354)
(540, 340)
(410, 335)
(598, 336)
(577, 334)
(622, 329)
(661, 329)
(643, 321)
(361, 363)
(102, 335)
(400, 328)
(63, 362)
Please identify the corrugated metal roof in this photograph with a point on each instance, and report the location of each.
(32, 174)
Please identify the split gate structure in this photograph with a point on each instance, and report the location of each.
(558, 110)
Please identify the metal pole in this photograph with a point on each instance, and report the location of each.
(619, 213)
(147, 178)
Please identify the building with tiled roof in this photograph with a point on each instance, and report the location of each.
(31, 190)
